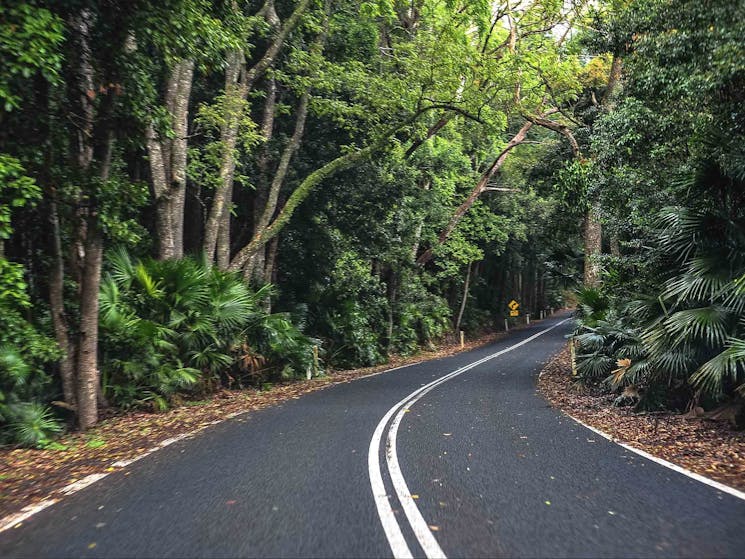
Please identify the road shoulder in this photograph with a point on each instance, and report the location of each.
(33, 479)
(707, 448)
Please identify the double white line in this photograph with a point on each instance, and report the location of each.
(388, 519)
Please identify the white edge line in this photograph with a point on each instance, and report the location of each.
(693, 475)
(15, 519)
(387, 518)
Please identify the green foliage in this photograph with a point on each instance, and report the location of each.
(204, 162)
(177, 325)
(421, 317)
(353, 310)
(25, 352)
(692, 333)
(592, 306)
(16, 191)
(30, 38)
(22, 421)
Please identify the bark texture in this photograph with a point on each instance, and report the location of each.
(593, 235)
(92, 157)
(87, 358)
(466, 285)
(168, 159)
(57, 307)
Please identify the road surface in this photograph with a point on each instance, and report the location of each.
(456, 457)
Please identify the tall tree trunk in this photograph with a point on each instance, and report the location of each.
(88, 245)
(593, 235)
(57, 306)
(159, 179)
(614, 80)
(253, 270)
(466, 285)
(392, 294)
(87, 358)
(239, 83)
(284, 164)
(419, 227)
(228, 138)
(94, 144)
(223, 235)
(179, 151)
(168, 159)
(593, 229)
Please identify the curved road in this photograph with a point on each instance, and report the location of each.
(478, 465)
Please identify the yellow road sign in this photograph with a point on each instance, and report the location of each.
(514, 313)
(513, 305)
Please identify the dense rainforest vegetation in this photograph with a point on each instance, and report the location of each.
(206, 193)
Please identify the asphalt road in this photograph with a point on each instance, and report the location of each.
(490, 468)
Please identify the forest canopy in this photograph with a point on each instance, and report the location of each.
(196, 193)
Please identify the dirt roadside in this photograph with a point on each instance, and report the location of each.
(711, 449)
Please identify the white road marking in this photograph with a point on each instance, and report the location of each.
(26, 512)
(693, 475)
(14, 520)
(388, 519)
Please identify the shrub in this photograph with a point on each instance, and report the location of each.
(22, 420)
(177, 325)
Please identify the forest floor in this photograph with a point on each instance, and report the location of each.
(30, 476)
(709, 448)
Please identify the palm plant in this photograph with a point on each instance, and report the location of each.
(700, 336)
(21, 420)
(167, 325)
(179, 324)
(690, 335)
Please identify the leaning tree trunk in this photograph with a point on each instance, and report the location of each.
(466, 285)
(238, 84)
(481, 186)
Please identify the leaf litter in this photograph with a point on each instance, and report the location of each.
(709, 448)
